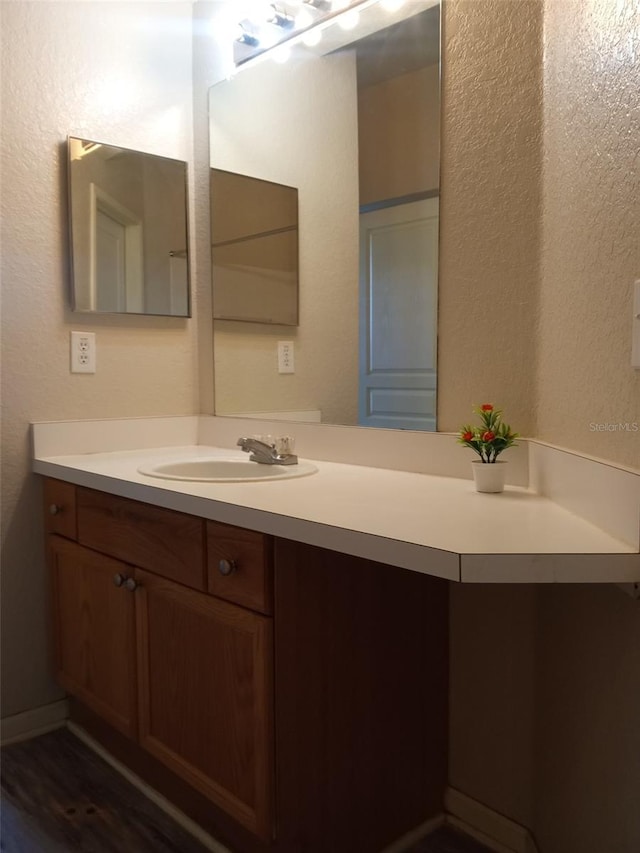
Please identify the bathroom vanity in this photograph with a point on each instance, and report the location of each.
(300, 692)
(273, 656)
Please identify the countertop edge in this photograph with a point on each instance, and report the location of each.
(464, 568)
(404, 555)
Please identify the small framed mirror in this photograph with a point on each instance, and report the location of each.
(254, 249)
(129, 236)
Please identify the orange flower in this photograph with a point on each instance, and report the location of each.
(467, 436)
(488, 436)
(486, 407)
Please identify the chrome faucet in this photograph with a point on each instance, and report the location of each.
(265, 453)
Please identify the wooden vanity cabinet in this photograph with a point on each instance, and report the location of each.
(289, 698)
(186, 674)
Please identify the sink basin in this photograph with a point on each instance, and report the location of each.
(225, 470)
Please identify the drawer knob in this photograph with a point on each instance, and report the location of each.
(227, 567)
(54, 509)
(131, 584)
(118, 579)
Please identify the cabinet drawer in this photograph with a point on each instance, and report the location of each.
(163, 541)
(248, 556)
(60, 508)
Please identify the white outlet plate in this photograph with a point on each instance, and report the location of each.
(285, 357)
(83, 352)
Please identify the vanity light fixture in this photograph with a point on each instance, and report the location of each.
(291, 22)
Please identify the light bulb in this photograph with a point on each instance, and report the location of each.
(313, 37)
(269, 37)
(304, 19)
(281, 54)
(349, 20)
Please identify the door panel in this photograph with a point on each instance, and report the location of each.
(205, 692)
(94, 632)
(398, 316)
(110, 263)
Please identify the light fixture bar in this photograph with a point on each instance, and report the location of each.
(293, 37)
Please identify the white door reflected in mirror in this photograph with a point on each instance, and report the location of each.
(398, 304)
(116, 255)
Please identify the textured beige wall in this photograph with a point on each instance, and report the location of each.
(102, 71)
(320, 152)
(545, 682)
(591, 227)
(489, 209)
(588, 652)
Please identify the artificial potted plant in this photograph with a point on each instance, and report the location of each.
(488, 440)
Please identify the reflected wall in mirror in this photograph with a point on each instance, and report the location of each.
(128, 213)
(357, 131)
(254, 249)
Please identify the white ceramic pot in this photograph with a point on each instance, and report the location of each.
(489, 476)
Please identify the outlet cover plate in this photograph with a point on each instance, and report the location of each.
(83, 352)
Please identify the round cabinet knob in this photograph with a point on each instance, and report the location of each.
(54, 509)
(118, 579)
(227, 567)
(131, 584)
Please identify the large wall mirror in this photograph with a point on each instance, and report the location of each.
(128, 214)
(356, 130)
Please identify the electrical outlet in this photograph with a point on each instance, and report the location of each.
(285, 357)
(83, 352)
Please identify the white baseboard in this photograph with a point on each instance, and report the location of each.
(174, 813)
(492, 829)
(407, 841)
(37, 721)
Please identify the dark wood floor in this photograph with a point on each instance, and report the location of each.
(58, 796)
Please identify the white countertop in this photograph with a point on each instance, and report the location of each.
(431, 524)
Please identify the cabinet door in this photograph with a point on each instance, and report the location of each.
(94, 631)
(205, 695)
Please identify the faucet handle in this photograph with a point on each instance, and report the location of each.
(265, 439)
(285, 444)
